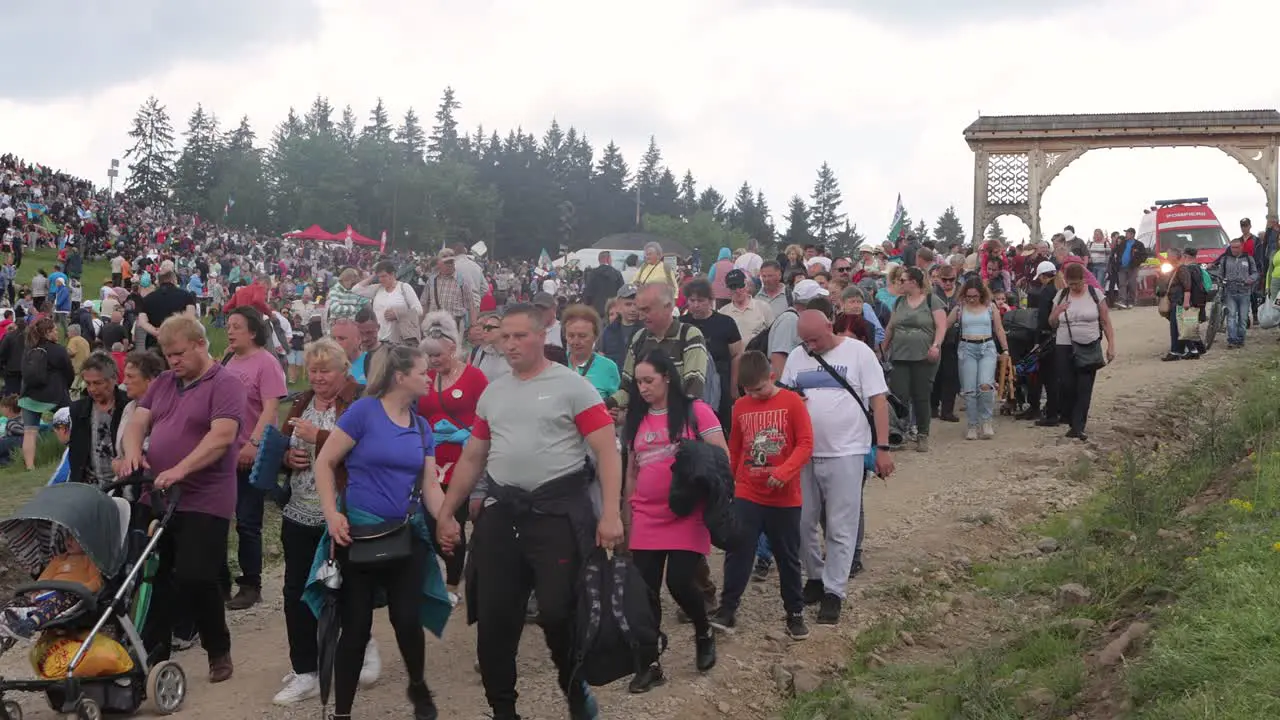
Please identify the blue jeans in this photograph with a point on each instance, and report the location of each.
(977, 380)
(1238, 309)
(1099, 271)
(249, 507)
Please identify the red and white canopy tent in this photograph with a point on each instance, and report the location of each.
(315, 232)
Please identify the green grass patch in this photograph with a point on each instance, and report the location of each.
(1208, 582)
(1218, 647)
(92, 275)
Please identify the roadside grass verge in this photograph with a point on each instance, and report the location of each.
(1205, 581)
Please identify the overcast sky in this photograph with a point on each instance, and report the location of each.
(757, 90)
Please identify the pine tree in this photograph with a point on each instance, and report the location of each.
(948, 230)
(921, 230)
(444, 134)
(688, 196)
(319, 119)
(825, 218)
(666, 195)
(995, 232)
(846, 242)
(347, 129)
(797, 223)
(711, 201)
(151, 172)
(195, 170)
(379, 127)
(411, 137)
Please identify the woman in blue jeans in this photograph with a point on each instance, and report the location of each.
(980, 328)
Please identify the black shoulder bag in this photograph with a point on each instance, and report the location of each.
(1087, 357)
(392, 539)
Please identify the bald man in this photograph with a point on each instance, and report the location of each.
(845, 391)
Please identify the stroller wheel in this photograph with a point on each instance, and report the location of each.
(87, 709)
(12, 710)
(167, 687)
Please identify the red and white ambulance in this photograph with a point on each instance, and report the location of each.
(1175, 225)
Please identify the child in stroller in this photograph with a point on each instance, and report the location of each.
(28, 612)
(96, 567)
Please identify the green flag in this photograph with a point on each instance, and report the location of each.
(898, 227)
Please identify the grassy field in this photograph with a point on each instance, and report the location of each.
(1203, 580)
(20, 485)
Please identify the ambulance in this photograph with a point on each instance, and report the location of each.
(1175, 225)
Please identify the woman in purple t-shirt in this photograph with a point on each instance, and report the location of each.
(389, 456)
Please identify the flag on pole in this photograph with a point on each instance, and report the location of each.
(544, 260)
(226, 209)
(898, 227)
(382, 246)
(348, 242)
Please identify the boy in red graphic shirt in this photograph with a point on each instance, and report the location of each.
(770, 441)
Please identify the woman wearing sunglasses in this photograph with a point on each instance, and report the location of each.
(980, 327)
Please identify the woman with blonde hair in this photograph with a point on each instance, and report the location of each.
(449, 407)
(389, 456)
(312, 418)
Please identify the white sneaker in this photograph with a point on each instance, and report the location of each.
(454, 598)
(371, 669)
(298, 688)
(988, 431)
(971, 433)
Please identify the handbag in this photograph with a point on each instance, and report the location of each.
(392, 539)
(1088, 356)
(868, 460)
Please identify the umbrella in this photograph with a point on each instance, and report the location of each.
(327, 624)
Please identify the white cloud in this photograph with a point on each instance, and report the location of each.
(742, 90)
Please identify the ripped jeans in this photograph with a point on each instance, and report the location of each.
(977, 380)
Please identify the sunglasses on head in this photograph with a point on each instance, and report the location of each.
(627, 292)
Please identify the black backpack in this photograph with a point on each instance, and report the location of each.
(616, 634)
(760, 343)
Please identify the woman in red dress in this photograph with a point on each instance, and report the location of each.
(450, 409)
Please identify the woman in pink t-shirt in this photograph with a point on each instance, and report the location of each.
(659, 540)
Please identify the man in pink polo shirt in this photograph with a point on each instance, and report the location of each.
(192, 413)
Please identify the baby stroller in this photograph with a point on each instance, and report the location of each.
(126, 559)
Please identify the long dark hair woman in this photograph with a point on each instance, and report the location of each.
(389, 457)
(658, 418)
(46, 381)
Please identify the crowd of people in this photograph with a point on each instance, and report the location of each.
(542, 407)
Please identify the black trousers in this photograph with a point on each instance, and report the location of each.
(299, 543)
(946, 384)
(191, 551)
(681, 568)
(1075, 389)
(512, 557)
(1047, 382)
(782, 528)
(401, 581)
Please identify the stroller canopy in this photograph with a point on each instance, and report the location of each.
(90, 515)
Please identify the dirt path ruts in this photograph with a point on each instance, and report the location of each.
(911, 518)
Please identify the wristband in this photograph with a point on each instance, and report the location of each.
(885, 448)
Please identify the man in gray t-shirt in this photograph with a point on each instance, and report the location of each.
(532, 432)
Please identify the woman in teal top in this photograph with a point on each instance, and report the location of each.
(581, 326)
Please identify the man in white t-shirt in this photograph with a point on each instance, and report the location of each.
(831, 484)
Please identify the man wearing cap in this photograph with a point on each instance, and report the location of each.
(617, 335)
(446, 291)
(546, 302)
(751, 314)
(784, 333)
(1132, 254)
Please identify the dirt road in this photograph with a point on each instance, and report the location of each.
(915, 518)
